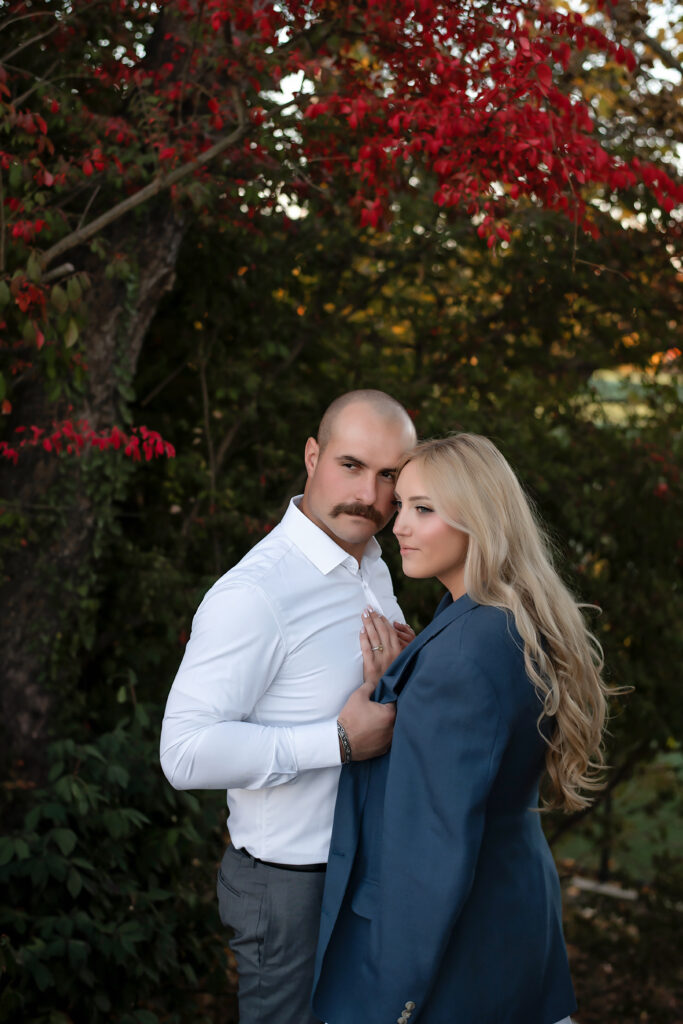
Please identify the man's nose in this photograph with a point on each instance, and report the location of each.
(366, 489)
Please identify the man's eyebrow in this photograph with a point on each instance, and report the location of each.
(352, 458)
(359, 462)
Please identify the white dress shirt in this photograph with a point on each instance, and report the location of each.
(273, 655)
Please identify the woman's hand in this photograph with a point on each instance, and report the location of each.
(380, 643)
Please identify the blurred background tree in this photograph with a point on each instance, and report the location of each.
(228, 336)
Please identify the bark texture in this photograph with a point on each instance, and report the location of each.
(46, 490)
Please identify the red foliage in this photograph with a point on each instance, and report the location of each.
(465, 96)
(75, 438)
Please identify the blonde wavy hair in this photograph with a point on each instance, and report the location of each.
(509, 565)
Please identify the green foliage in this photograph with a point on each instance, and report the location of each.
(107, 915)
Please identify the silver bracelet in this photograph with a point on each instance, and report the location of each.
(344, 739)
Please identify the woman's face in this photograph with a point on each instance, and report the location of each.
(429, 546)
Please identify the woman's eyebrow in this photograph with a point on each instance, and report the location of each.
(415, 497)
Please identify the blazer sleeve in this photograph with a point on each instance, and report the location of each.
(448, 741)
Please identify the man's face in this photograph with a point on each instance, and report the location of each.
(350, 489)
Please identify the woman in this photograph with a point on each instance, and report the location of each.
(442, 902)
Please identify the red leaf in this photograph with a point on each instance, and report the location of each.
(544, 75)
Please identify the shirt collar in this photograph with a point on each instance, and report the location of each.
(317, 546)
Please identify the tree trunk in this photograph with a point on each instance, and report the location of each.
(58, 514)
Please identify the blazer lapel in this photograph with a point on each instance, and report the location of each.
(395, 678)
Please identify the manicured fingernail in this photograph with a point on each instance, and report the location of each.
(366, 613)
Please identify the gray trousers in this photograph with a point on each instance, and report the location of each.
(274, 915)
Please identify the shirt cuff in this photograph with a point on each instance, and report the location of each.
(317, 745)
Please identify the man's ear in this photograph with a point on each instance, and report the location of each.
(311, 453)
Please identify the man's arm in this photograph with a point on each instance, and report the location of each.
(235, 651)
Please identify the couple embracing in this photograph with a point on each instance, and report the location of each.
(387, 862)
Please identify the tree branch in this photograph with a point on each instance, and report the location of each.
(82, 234)
(28, 42)
(625, 19)
(38, 83)
(622, 772)
(664, 55)
(61, 271)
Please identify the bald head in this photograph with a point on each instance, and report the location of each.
(382, 405)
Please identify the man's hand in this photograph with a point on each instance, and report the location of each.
(368, 725)
(405, 633)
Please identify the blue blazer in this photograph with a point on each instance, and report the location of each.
(442, 901)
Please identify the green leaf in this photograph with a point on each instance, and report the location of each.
(32, 818)
(22, 849)
(5, 294)
(71, 333)
(74, 290)
(59, 299)
(6, 850)
(16, 176)
(145, 1017)
(74, 882)
(41, 975)
(65, 839)
(33, 268)
(78, 953)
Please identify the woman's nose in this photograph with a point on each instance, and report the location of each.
(399, 526)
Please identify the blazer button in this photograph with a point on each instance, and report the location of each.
(410, 1006)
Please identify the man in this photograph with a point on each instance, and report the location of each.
(255, 707)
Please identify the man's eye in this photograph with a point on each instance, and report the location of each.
(388, 474)
(396, 503)
(349, 465)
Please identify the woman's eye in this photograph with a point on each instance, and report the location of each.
(423, 508)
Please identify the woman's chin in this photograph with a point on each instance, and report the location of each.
(414, 574)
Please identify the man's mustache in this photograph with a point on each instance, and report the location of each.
(367, 511)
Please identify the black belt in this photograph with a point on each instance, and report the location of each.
(283, 867)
